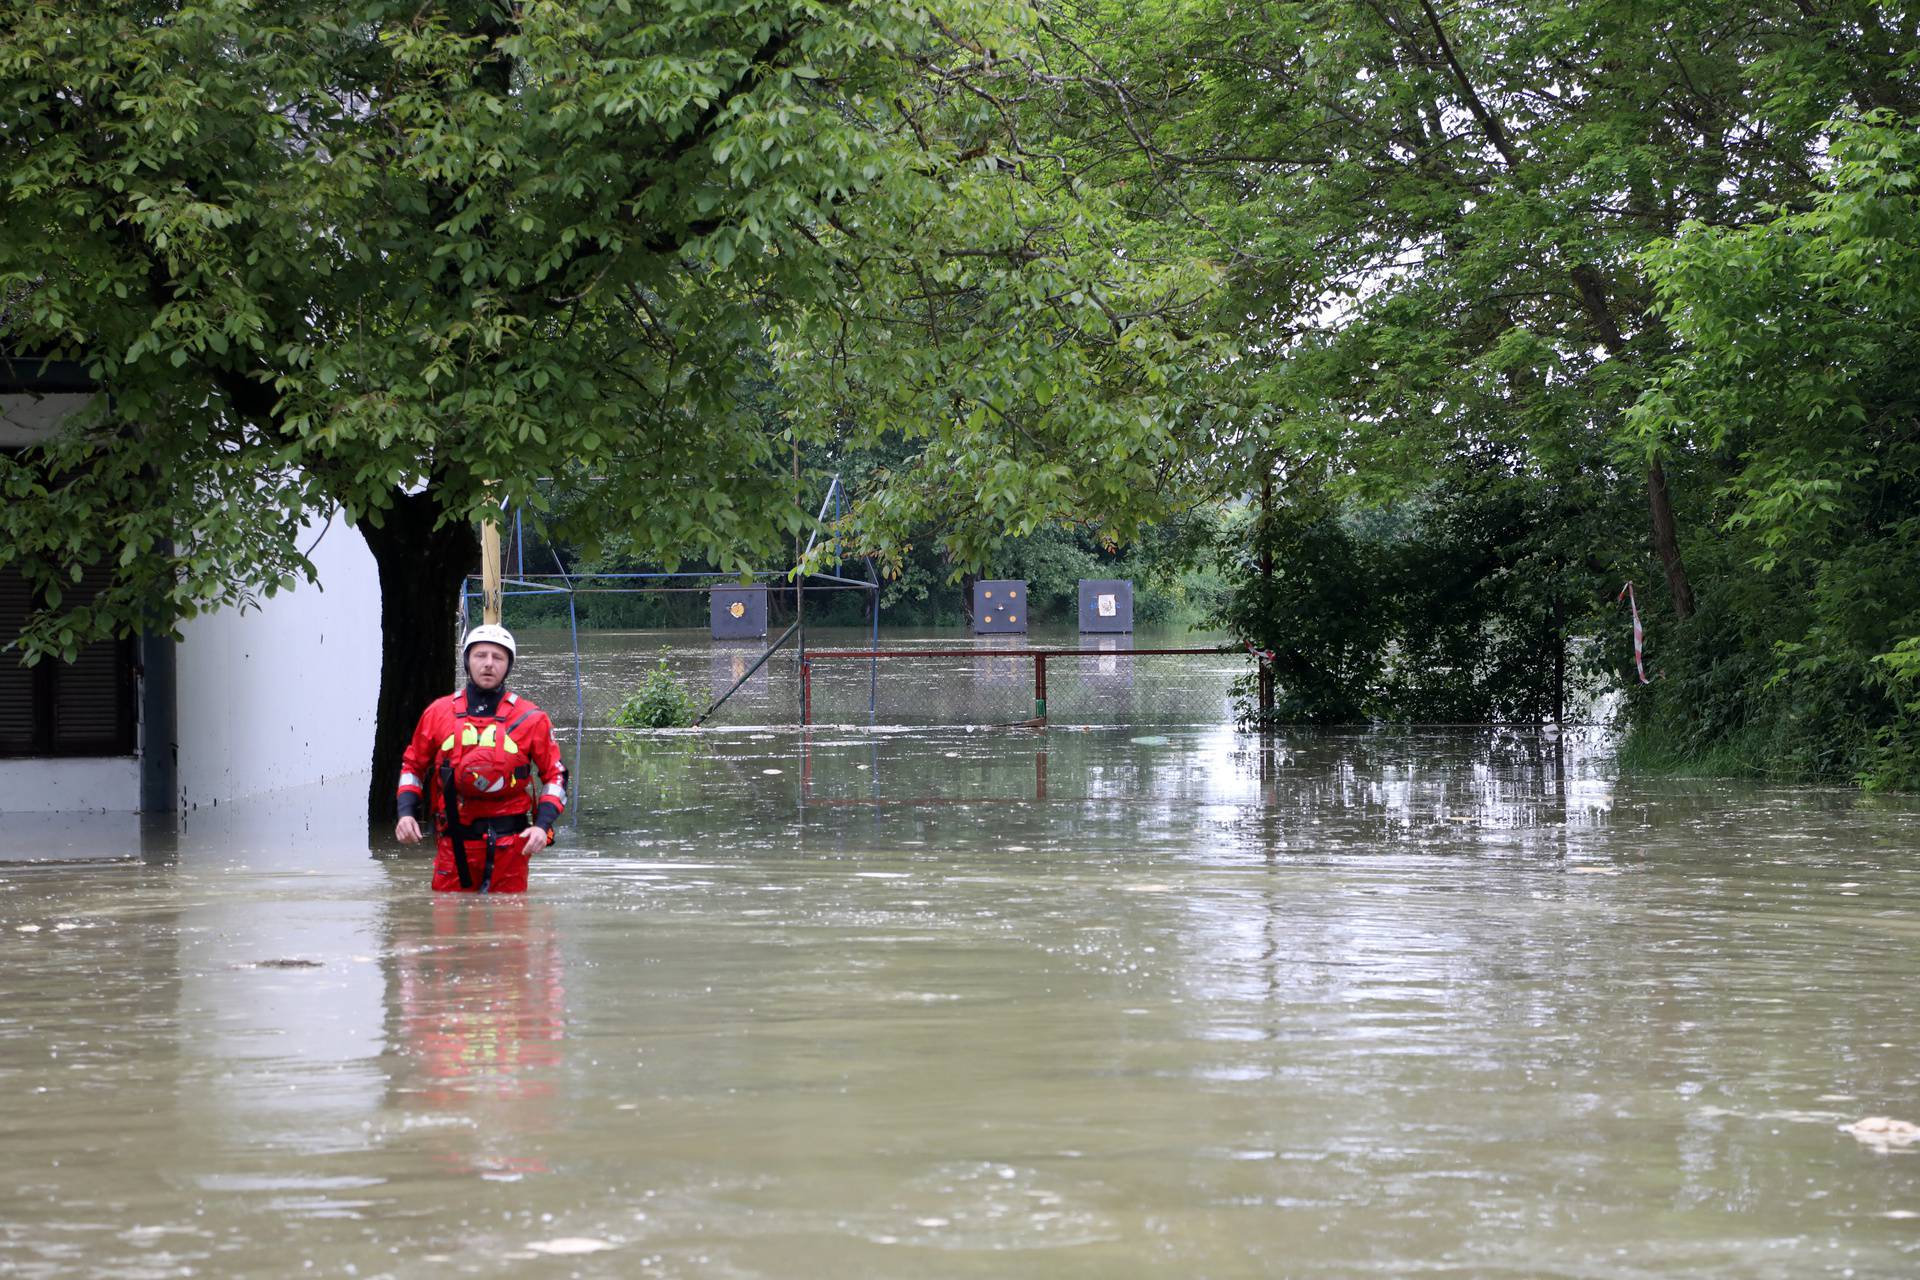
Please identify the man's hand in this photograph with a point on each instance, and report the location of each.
(536, 840)
(407, 831)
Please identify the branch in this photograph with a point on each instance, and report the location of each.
(1495, 131)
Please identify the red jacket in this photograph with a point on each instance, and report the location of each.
(490, 760)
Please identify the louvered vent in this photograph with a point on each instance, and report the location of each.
(17, 683)
(84, 707)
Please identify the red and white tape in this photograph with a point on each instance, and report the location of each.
(1639, 632)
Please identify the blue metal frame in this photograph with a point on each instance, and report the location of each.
(526, 584)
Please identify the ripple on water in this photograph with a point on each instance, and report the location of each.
(987, 1206)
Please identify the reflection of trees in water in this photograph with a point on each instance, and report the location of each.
(927, 772)
(1459, 995)
(478, 1007)
(1390, 784)
(1261, 792)
(657, 770)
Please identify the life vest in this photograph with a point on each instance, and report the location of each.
(480, 757)
(481, 766)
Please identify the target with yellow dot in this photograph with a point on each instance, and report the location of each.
(738, 613)
(999, 606)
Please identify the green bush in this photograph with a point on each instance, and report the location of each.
(1450, 606)
(1775, 676)
(661, 702)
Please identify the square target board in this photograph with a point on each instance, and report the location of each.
(1106, 604)
(738, 613)
(1000, 607)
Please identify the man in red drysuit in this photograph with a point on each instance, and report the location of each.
(475, 753)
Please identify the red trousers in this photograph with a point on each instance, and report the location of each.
(509, 865)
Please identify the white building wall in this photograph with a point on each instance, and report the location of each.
(28, 419)
(283, 695)
(78, 790)
(280, 696)
(55, 802)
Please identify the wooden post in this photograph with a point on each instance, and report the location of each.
(490, 573)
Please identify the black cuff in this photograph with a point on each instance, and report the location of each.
(410, 804)
(546, 814)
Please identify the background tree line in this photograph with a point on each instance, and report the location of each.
(1569, 295)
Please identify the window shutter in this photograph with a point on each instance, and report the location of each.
(93, 694)
(87, 702)
(17, 683)
(78, 708)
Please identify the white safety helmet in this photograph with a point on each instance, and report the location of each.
(490, 633)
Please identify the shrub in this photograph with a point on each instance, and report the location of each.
(661, 702)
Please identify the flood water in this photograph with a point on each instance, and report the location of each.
(1081, 1002)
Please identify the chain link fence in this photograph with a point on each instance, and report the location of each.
(991, 686)
(990, 683)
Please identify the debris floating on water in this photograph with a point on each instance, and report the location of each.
(1884, 1132)
(570, 1244)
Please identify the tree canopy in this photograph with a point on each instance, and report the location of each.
(332, 252)
(1527, 258)
(1552, 295)
(409, 259)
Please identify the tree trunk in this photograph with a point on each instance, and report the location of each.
(1666, 543)
(1265, 539)
(422, 569)
(1592, 289)
(1559, 626)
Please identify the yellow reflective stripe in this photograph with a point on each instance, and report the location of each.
(468, 735)
(512, 747)
(486, 735)
(448, 744)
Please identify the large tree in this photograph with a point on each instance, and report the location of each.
(1431, 214)
(1798, 372)
(406, 259)
(1436, 223)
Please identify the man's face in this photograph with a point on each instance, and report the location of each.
(487, 665)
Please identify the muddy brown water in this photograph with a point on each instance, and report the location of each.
(949, 1002)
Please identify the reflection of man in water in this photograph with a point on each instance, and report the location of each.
(481, 1008)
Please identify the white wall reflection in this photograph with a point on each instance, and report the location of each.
(282, 1001)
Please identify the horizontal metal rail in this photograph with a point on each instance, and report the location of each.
(715, 573)
(1013, 653)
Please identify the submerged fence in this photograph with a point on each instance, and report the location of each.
(743, 685)
(995, 686)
